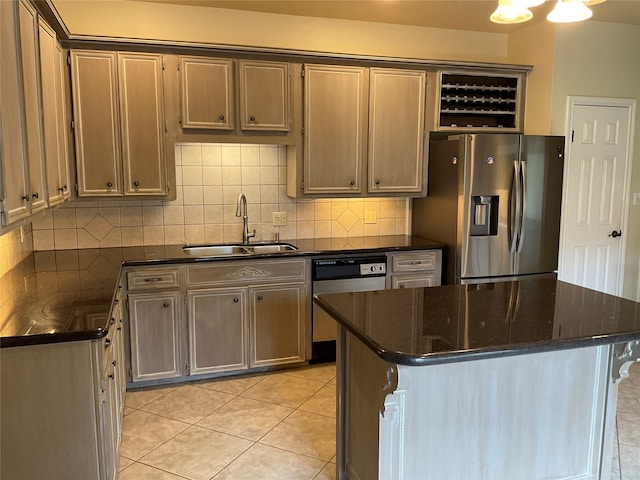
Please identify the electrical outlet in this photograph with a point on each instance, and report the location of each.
(279, 218)
(636, 198)
(370, 216)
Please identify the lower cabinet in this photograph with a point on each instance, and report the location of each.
(415, 269)
(155, 333)
(62, 407)
(217, 317)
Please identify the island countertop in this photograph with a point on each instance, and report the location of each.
(453, 323)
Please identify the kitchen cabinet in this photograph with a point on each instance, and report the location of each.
(63, 404)
(54, 114)
(217, 330)
(363, 125)
(239, 315)
(155, 327)
(415, 269)
(277, 324)
(31, 84)
(119, 125)
(16, 191)
(209, 96)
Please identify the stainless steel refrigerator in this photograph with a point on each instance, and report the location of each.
(494, 201)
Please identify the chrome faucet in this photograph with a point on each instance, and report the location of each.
(241, 211)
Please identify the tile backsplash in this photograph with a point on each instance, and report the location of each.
(15, 246)
(209, 179)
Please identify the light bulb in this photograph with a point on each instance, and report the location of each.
(567, 11)
(511, 11)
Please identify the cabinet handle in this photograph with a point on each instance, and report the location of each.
(136, 184)
(153, 279)
(377, 182)
(352, 183)
(35, 195)
(221, 117)
(109, 184)
(165, 305)
(260, 297)
(235, 300)
(253, 119)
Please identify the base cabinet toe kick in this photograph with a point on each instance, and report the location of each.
(443, 402)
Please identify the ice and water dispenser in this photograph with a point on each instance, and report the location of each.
(484, 215)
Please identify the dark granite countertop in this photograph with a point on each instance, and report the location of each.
(66, 295)
(453, 323)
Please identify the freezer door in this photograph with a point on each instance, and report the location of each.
(542, 160)
(486, 218)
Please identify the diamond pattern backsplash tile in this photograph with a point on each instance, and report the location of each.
(209, 179)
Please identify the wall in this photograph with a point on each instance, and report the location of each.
(535, 45)
(602, 60)
(209, 179)
(157, 21)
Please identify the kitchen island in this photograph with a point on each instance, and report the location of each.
(509, 380)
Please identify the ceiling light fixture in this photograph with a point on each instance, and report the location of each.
(517, 11)
(567, 11)
(511, 11)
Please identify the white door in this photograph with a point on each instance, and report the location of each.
(596, 187)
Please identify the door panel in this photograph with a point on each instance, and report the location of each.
(264, 95)
(595, 188)
(542, 165)
(490, 167)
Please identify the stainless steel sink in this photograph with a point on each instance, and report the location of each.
(235, 249)
(214, 250)
(271, 248)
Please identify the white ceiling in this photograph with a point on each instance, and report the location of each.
(453, 14)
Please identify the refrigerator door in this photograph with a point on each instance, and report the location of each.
(542, 160)
(488, 205)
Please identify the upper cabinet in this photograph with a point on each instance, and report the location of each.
(119, 124)
(209, 98)
(54, 113)
(492, 101)
(363, 125)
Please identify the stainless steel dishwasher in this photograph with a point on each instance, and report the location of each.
(339, 275)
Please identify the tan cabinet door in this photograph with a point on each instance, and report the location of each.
(207, 93)
(264, 96)
(142, 122)
(217, 330)
(15, 193)
(29, 50)
(335, 118)
(97, 138)
(55, 123)
(154, 329)
(396, 131)
(277, 324)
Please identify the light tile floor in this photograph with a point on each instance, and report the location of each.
(275, 426)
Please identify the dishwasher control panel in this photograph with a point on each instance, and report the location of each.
(350, 267)
(373, 268)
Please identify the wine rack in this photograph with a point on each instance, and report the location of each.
(487, 102)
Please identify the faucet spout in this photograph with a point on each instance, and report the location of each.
(241, 211)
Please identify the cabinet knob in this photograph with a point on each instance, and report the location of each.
(221, 117)
(352, 183)
(377, 182)
(136, 184)
(112, 376)
(25, 198)
(253, 119)
(35, 195)
(112, 321)
(165, 305)
(107, 342)
(114, 363)
(109, 184)
(260, 297)
(61, 189)
(235, 300)
(401, 285)
(64, 188)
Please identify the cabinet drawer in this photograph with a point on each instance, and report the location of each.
(412, 262)
(422, 280)
(152, 279)
(244, 272)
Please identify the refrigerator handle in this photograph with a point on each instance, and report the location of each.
(514, 197)
(523, 203)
